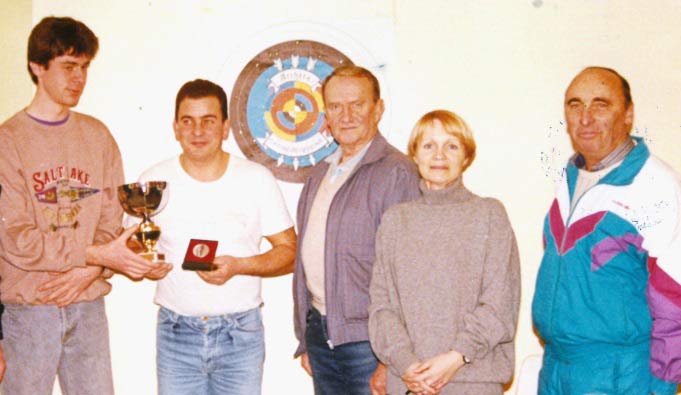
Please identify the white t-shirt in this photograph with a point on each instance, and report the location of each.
(237, 210)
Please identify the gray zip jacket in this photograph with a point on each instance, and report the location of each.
(383, 177)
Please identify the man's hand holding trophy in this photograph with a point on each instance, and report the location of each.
(144, 200)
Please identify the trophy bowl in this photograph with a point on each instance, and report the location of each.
(144, 200)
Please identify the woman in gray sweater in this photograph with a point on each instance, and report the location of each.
(446, 283)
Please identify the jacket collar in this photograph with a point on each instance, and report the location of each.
(378, 150)
(621, 175)
(617, 155)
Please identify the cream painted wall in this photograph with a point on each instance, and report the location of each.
(15, 88)
(502, 65)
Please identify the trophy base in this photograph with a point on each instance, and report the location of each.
(198, 266)
(153, 256)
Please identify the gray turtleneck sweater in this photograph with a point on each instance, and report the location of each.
(446, 277)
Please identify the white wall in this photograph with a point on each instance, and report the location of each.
(502, 65)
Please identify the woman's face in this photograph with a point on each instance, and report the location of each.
(439, 156)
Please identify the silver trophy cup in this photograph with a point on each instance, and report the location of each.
(144, 200)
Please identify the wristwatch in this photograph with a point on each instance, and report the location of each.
(466, 360)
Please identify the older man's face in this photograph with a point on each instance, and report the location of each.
(352, 112)
(598, 119)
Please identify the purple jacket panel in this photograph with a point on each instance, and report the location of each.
(384, 177)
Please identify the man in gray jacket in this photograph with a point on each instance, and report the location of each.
(339, 211)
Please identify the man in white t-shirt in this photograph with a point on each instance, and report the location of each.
(210, 336)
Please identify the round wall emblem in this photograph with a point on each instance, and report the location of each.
(277, 111)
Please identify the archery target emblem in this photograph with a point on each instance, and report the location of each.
(277, 109)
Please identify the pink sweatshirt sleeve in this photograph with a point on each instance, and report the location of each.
(111, 218)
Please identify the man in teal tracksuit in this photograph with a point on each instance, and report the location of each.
(608, 296)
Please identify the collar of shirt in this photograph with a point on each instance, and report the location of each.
(336, 169)
(617, 155)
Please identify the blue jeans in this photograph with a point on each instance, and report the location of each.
(341, 370)
(210, 355)
(45, 341)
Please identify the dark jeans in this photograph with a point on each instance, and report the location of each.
(341, 370)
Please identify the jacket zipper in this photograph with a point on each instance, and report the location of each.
(561, 250)
(326, 294)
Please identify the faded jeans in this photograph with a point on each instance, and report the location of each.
(41, 342)
(210, 355)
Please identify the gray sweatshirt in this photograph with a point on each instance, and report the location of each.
(446, 277)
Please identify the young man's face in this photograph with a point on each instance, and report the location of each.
(200, 129)
(64, 78)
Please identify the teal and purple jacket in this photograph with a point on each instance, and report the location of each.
(611, 271)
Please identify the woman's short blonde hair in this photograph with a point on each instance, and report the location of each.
(452, 124)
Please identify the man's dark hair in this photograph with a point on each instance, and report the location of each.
(57, 36)
(202, 88)
(626, 89)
